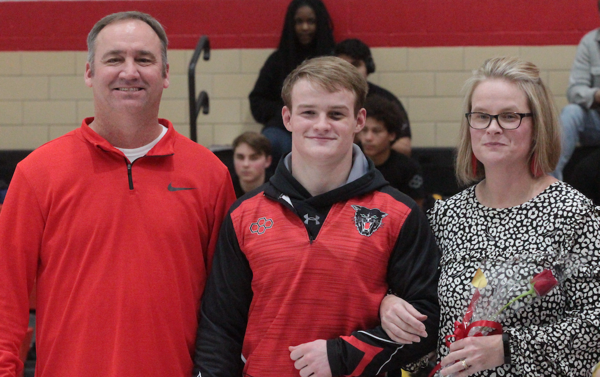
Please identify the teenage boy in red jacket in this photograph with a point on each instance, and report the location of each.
(302, 266)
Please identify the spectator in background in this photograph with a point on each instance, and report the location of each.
(307, 33)
(376, 138)
(119, 251)
(357, 53)
(251, 158)
(580, 118)
(586, 177)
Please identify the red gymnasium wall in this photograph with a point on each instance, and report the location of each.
(63, 25)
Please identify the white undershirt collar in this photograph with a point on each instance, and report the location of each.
(133, 154)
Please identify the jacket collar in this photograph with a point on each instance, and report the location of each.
(165, 146)
(364, 178)
(360, 165)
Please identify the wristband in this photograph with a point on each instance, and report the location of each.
(506, 344)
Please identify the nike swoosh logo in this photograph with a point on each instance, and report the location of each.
(171, 188)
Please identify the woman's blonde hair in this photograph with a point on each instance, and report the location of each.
(545, 148)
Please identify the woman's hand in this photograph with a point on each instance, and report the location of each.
(401, 321)
(473, 354)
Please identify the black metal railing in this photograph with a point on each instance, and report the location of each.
(202, 102)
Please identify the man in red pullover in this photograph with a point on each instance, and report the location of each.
(115, 223)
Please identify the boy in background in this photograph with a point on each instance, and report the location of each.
(377, 137)
(357, 53)
(251, 159)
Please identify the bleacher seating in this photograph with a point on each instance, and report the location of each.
(8, 162)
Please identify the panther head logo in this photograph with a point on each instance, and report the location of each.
(367, 220)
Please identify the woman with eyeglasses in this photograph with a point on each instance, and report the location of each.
(509, 142)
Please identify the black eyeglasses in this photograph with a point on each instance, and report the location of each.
(508, 121)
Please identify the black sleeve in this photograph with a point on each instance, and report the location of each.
(405, 126)
(413, 274)
(224, 310)
(265, 98)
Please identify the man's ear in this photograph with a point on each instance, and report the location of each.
(87, 76)
(167, 79)
(361, 120)
(286, 114)
(268, 161)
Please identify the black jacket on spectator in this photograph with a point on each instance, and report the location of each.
(586, 177)
(403, 174)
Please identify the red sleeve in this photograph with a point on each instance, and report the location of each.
(21, 230)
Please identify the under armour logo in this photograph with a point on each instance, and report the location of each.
(261, 225)
(308, 218)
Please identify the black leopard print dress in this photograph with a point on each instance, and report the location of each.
(557, 335)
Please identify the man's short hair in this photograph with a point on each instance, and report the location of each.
(259, 143)
(545, 145)
(384, 111)
(121, 16)
(330, 73)
(357, 50)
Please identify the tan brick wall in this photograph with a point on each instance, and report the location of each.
(43, 95)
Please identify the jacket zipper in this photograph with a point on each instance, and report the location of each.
(129, 176)
(130, 166)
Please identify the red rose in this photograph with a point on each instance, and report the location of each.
(543, 282)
